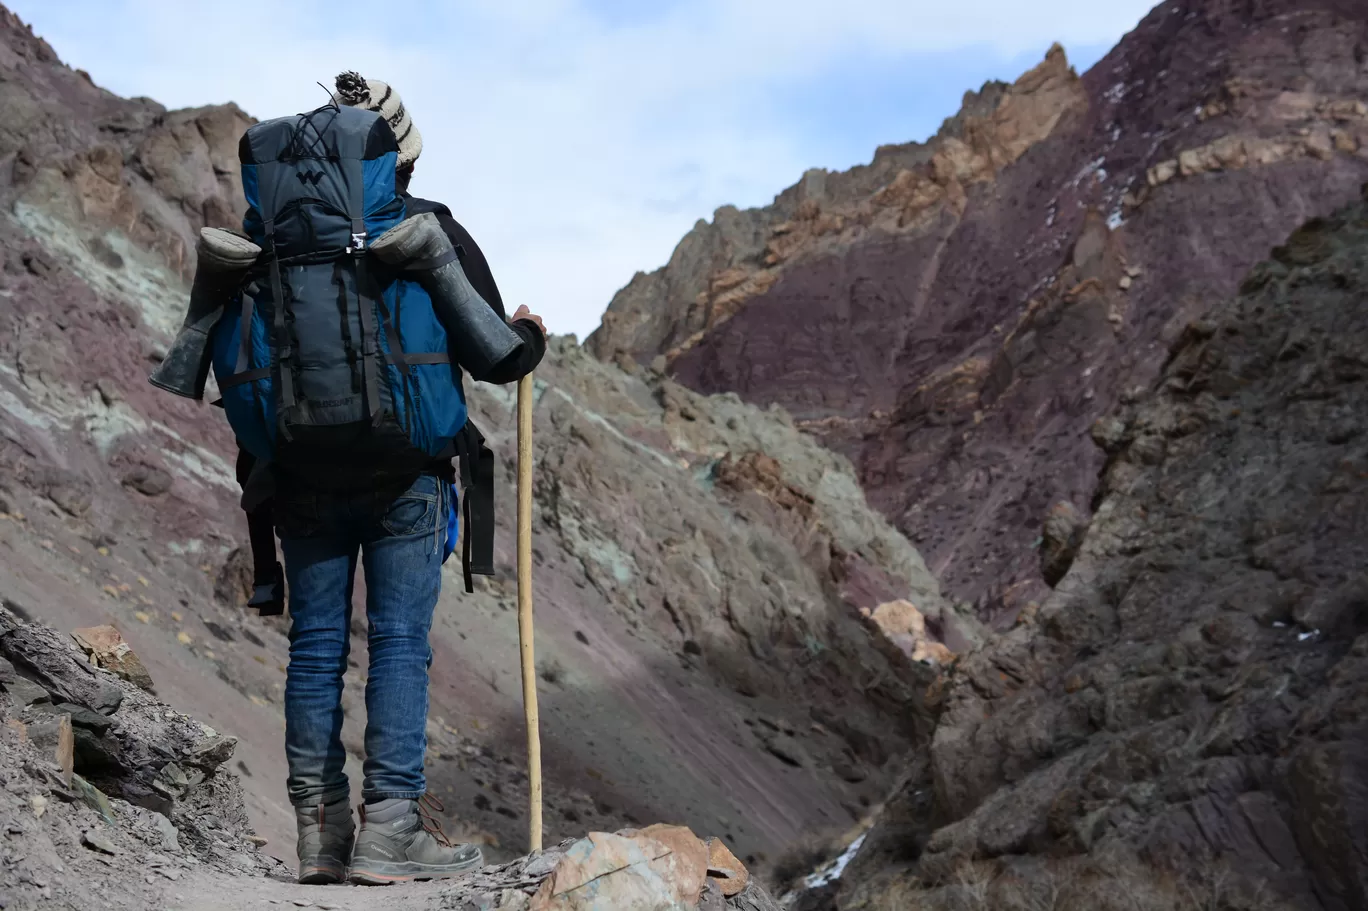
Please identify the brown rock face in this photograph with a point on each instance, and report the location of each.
(1189, 706)
(723, 867)
(957, 314)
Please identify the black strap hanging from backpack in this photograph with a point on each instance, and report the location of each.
(477, 499)
(268, 576)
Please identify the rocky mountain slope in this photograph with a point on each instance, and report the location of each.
(702, 567)
(956, 314)
(1182, 723)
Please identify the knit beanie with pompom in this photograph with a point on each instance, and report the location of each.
(356, 91)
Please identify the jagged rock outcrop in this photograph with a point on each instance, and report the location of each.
(955, 315)
(700, 563)
(130, 798)
(1187, 710)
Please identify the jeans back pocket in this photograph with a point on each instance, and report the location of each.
(414, 511)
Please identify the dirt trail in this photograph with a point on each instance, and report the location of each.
(217, 892)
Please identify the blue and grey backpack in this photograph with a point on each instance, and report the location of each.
(331, 367)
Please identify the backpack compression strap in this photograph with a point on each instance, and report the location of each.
(242, 374)
(285, 350)
(370, 362)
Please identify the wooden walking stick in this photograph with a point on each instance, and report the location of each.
(529, 664)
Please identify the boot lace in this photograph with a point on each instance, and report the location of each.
(428, 805)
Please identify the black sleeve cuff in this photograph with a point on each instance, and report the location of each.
(528, 356)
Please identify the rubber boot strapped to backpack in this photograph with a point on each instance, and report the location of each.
(480, 338)
(223, 259)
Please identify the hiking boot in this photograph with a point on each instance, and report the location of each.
(326, 833)
(401, 841)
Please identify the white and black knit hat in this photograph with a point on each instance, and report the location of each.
(356, 91)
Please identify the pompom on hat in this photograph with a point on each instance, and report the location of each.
(356, 91)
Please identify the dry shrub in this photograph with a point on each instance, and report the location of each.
(974, 885)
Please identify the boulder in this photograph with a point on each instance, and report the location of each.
(905, 626)
(659, 868)
(23, 692)
(629, 870)
(148, 480)
(107, 649)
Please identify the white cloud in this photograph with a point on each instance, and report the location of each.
(577, 139)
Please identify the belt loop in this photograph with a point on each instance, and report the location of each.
(437, 523)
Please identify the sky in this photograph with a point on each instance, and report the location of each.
(579, 140)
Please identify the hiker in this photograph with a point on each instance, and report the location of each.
(348, 405)
(320, 535)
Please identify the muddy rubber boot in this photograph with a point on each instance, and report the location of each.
(401, 842)
(326, 833)
(479, 337)
(223, 259)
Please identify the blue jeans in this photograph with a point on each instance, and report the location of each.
(400, 543)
